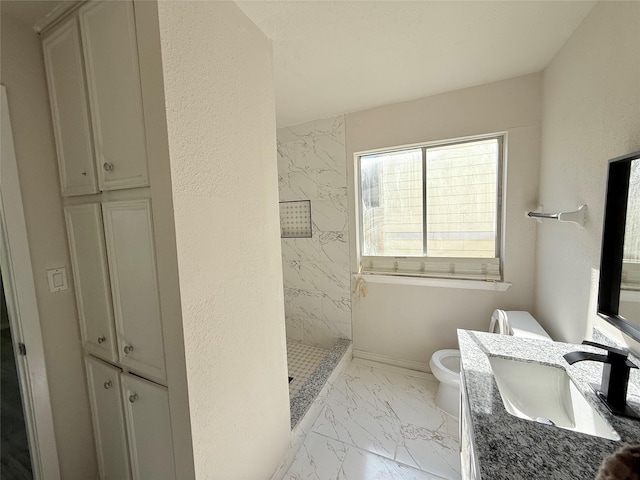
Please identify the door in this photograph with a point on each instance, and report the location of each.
(149, 428)
(134, 286)
(22, 306)
(113, 77)
(70, 110)
(14, 451)
(91, 279)
(105, 394)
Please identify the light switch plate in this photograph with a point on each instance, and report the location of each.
(57, 278)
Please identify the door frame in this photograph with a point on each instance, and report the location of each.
(24, 319)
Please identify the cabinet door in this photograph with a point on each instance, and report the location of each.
(149, 429)
(113, 77)
(105, 394)
(132, 268)
(70, 110)
(91, 279)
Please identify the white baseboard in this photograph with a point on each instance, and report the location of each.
(395, 362)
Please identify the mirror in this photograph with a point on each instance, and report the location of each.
(619, 293)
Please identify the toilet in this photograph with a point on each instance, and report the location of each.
(445, 364)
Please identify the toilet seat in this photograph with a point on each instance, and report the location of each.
(445, 366)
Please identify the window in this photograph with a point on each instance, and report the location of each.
(433, 209)
(631, 249)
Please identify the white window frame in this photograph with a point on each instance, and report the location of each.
(419, 267)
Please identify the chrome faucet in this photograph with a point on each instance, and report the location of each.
(615, 376)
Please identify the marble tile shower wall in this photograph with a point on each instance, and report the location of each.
(312, 166)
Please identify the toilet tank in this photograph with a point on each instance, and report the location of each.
(519, 324)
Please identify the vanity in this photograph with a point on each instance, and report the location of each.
(498, 445)
(529, 410)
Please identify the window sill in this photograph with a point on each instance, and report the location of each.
(435, 282)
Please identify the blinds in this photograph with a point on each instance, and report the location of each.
(459, 268)
(630, 275)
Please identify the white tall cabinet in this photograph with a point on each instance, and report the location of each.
(114, 270)
(114, 267)
(95, 92)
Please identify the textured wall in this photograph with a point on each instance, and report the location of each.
(312, 166)
(23, 75)
(408, 323)
(591, 114)
(164, 231)
(222, 142)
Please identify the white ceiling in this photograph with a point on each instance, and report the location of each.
(334, 57)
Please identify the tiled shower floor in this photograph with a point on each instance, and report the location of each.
(302, 361)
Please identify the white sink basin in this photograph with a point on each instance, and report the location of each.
(546, 394)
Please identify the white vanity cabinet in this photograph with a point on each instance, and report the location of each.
(70, 110)
(114, 270)
(96, 99)
(148, 428)
(468, 460)
(131, 424)
(105, 394)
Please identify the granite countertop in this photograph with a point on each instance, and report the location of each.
(508, 447)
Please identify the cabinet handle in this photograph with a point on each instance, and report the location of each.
(128, 349)
(108, 385)
(107, 166)
(101, 339)
(133, 398)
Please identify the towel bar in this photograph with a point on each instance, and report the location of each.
(577, 217)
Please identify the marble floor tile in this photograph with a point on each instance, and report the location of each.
(386, 420)
(408, 398)
(319, 458)
(413, 401)
(359, 465)
(432, 451)
(363, 386)
(453, 428)
(377, 432)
